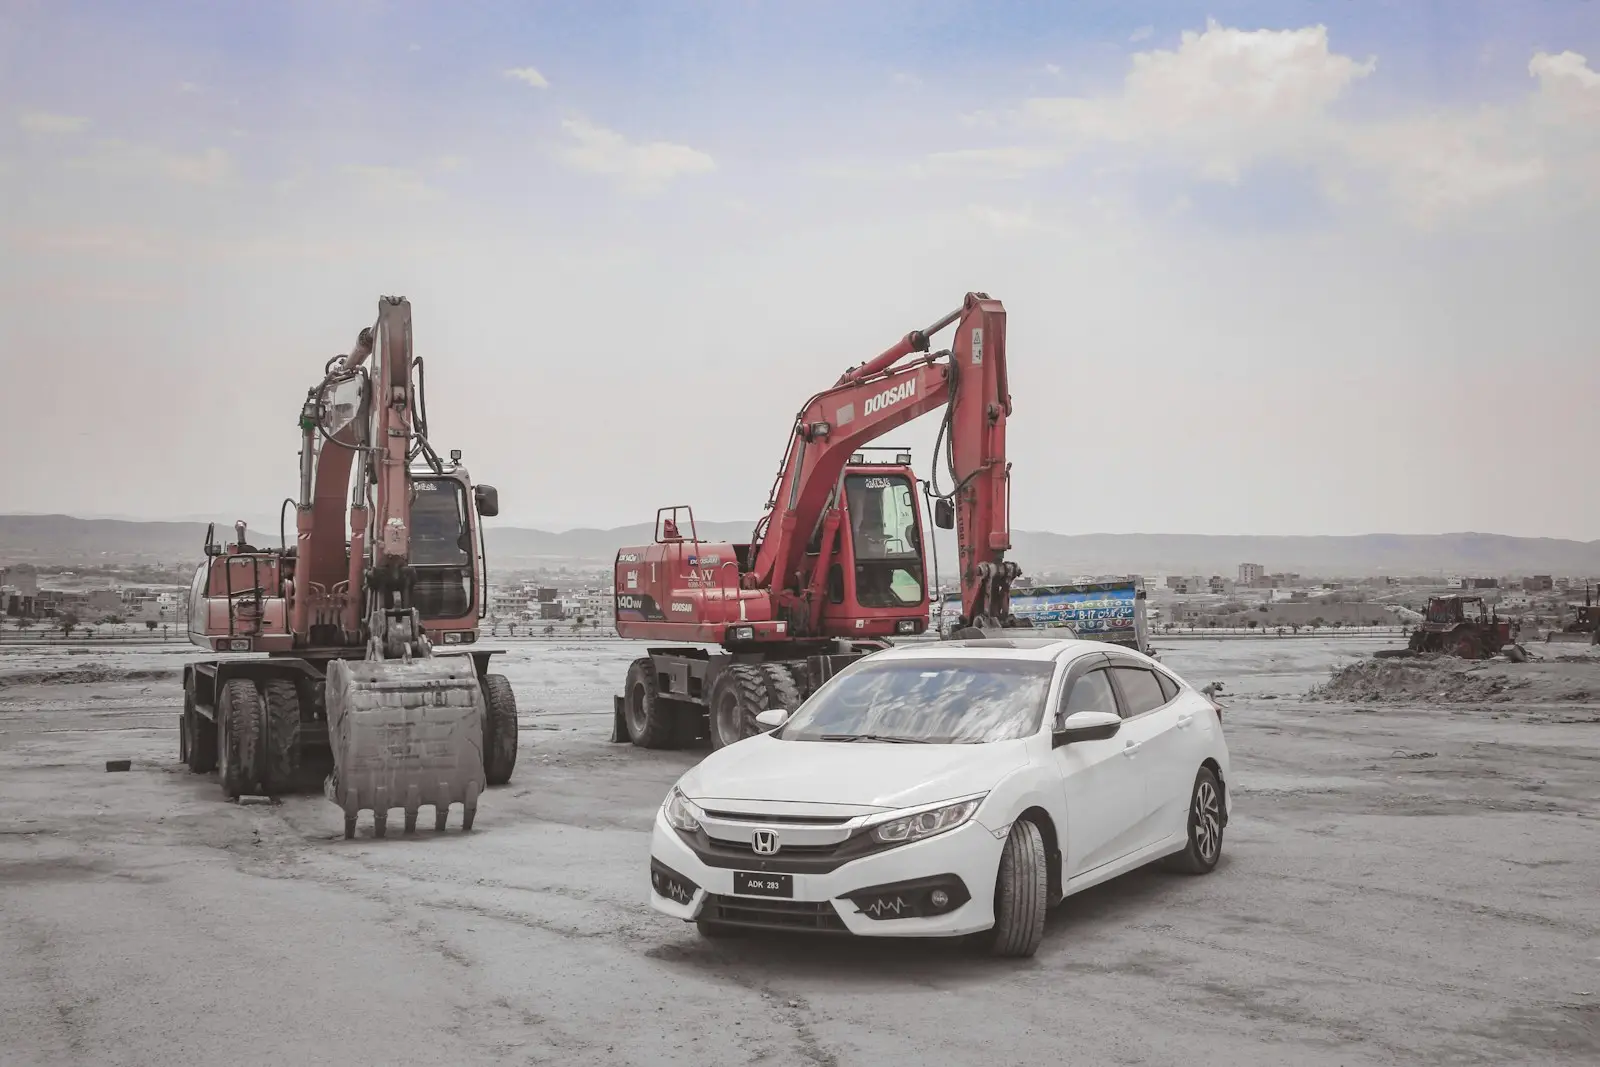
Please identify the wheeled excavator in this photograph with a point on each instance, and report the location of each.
(365, 628)
(835, 568)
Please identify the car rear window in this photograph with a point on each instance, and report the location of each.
(1140, 688)
(1169, 688)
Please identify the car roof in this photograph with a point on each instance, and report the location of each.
(1024, 648)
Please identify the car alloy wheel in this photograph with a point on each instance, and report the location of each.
(1208, 821)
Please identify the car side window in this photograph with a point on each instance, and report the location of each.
(1092, 692)
(1169, 688)
(1140, 689)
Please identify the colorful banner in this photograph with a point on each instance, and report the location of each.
(1093, 610)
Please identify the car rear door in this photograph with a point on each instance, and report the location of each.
(1104, 794)
(1160, 731)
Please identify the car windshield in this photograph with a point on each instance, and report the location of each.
(941, 702)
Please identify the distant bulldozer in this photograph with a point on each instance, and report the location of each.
(1460, 626)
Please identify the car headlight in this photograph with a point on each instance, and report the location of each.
(681, 812)
(927, 823)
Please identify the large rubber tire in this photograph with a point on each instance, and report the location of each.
(499, 729)
(652, 722)
(198, 740)
(241, 738)
(737, 696)
(281, 699)
(1021, 892)
(783, 688)
(1204, 849)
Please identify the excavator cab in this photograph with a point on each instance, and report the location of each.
(877, 580)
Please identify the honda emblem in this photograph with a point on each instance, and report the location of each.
(764, 842)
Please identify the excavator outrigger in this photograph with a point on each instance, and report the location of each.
(836, 567)
(358, 632)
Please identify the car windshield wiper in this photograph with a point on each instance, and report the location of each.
(886, 738)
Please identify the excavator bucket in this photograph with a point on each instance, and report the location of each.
(405, 735)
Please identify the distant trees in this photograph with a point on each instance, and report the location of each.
(68, 622)
(150, 625)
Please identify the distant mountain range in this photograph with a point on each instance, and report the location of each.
(65, 540)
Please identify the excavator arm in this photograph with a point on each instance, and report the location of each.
(796, 537)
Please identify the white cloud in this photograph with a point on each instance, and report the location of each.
(209, 167)
(906, 78)
(1052, 69)
(1227, 100)
(1224, 98)
(1004, 161)
(641, 167)
(395, 182)
(48, 122)
(1003, 220)
(1143, 33)
(528, 76)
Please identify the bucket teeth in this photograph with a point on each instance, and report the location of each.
(405, 735)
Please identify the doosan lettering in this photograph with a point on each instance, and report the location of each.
(890, 397)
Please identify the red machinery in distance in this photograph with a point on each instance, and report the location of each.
(349, 626)
(836, 566)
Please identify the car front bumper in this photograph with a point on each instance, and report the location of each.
(968, 855)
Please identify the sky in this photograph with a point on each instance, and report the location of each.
(1270, 268)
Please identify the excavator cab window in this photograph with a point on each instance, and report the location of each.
(441, 549)
(886, 539)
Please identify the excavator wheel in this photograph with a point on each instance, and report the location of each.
(652, 722)
(1466, 646)
(739, 694)
(499, 729)
(198, 736)
(242, 716)
(782, 688)
(282, 743)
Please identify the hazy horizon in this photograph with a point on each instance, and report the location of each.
(1286, 269)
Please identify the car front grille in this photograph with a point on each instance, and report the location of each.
(786, 849)
(774, 914)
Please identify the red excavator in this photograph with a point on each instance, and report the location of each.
(363, 636)
(835, 567)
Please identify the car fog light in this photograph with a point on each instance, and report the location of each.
(939, 898)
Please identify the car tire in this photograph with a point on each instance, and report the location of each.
(1204, 848)
(651, 722)
(1021, 892)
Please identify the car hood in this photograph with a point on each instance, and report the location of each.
(863, 775)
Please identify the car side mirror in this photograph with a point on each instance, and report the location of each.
(1087, 726)
(772, 718)
(944, 514)
(487, 498)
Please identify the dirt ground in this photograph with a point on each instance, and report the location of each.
(1403, 882)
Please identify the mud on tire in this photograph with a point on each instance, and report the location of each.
(499, 729)
(738, 695)
(1021, 892)
(652, 722)
(281, 747)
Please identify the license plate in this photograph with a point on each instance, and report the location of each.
(763, 885)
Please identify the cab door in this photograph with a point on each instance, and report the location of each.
(1103, 792)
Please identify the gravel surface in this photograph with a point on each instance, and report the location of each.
(1403, 882)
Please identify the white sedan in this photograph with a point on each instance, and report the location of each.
(948, 789)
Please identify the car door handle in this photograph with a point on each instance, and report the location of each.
(1185, 720)
(1130, 748)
